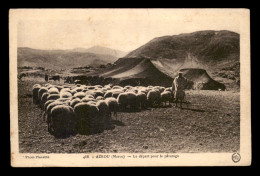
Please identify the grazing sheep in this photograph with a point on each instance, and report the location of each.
(59, 87)
(53, 90)
(153, 97)
(100, 98)
(166, 96)
(112, 105)
(35, 91)
(78, 89)
(87, 117)
(103, 112)
(116, 93)
(74, 102)
(41, 91)
(63, 121)
(48, 113)
(53, 97)
(127, 99)
(45, 108)
(98, 93)
(73, 92)
(89, 96)
(80, 95)
(87, 99)
(44, 99)
(91, 92)
(65, 94)
(142, 99)
(91, 87)
(117, 87)
(108, 94)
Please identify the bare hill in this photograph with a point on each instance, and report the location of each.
(60, 58)
(102, 50)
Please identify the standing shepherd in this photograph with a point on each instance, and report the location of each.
(179, 85)
(46, 77)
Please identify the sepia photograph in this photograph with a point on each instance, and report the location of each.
(129, 87)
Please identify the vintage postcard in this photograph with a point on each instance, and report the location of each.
(130, 87)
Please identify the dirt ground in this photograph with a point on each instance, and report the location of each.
(211, 123)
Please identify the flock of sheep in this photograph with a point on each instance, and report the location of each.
(72, 109)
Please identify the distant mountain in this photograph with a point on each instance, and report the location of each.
(102, 50)
(56, 59)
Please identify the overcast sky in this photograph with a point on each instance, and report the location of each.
(123, 29)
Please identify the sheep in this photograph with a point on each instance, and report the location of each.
(41, 91)
(98, 93)
(153, 97)
(35, 91)
(87, 116)
(53, 90)
(53, 97)
(43, 100)
(74, 102)
(78, 89)
(112, 105)
(48, 113)
(117, 87)
(89, 96)
(100, 98)
(166, 96)
(45, 108)
(103, 111)
(86, 99)
(91, 87)
(127, 99)
(80, 95)
(73, 92)
(91, 92)
(108, 94)
(65, 94)
(63, 121)
(116, 93)
(142, 99)
(59, 87)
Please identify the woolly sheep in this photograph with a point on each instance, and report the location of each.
(142, 99)
(153, 97)
(74, 102)
(117, 87)
(78, 89)
(166, 96)
(86, 99)
(87, 116)
(35, 91)
(45, 108)
(65, 94)
(89, 96)
(112, 105)
(41, 91)
(108, 94)
(116, 93)
(103, 111)
(80, 95)
(63, 121)
(48, 113)
(53, 97)
(53, 90)
(100, 98)
(127, 99)
(44, 99)
(98, 93)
